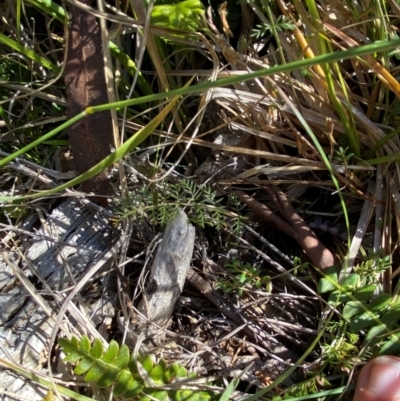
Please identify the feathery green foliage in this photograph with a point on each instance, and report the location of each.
(159, 204)
(243, 275)
(262, 29)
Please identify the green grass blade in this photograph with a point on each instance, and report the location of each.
(45, 383)
(43, 61)
(54, 10)
(296, 65)
(137, 138)
(229, 390)
(43, 138)
(322, 394)
(50, 8)
(130, 66)
(128, 146)
(18, 19)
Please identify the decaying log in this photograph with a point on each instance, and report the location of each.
(168, 274)
(31, 283)
(91, 138)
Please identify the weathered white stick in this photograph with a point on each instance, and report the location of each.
(168, 273)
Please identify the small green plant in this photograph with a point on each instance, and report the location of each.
(373, 266)
(188, 15)
(300, 266)
(242, 275)
(133, 376)
(159, 204)
(262, 29)
(8, 69)
(310, 386)
(366, 310)
(342, 352)
(343, 155)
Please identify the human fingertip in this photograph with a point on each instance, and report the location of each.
(379, 380)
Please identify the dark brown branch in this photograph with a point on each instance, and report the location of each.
(266, 213)
(297, 229)
(91, 138)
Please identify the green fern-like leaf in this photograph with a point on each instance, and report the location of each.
(280, 24)
(96, 372)
(84, 345)
(370, 317)
(361, 310)
(175, 371)
(109, 376)
(158, 372)
(83, 366)
(152, 394)
(131, 376)
(134, 389)
(97, 349)
(148, 364)
(127, 385)
(111, 352)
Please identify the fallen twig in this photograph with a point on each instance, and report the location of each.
(294, 225)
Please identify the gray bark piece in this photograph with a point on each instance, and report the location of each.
(75, 236)
(168, 273)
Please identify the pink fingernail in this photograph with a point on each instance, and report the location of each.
(380, 379)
